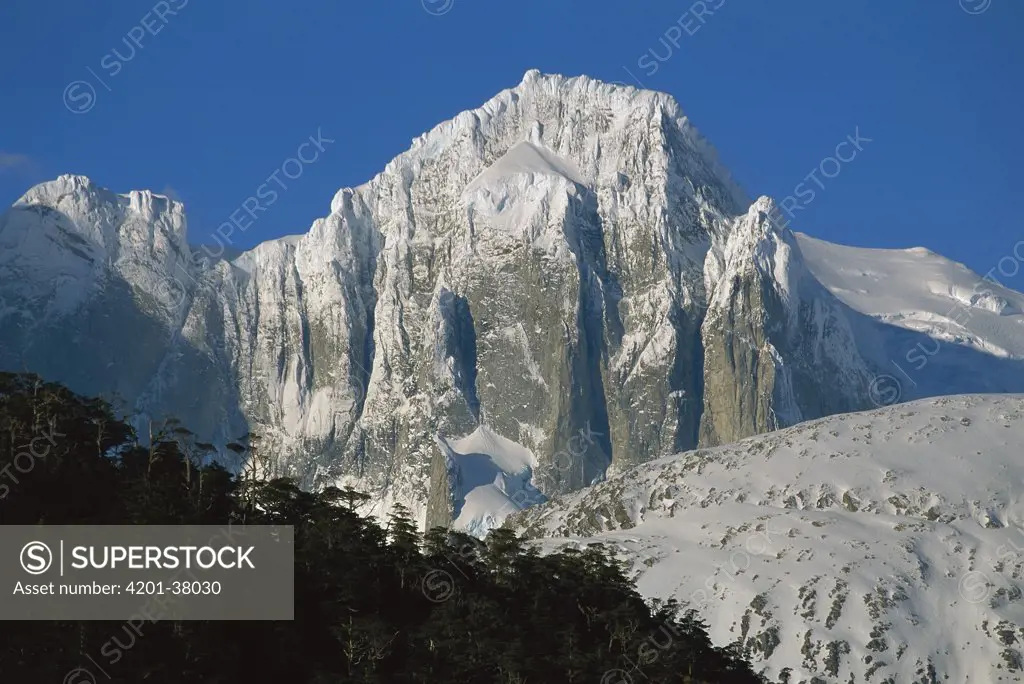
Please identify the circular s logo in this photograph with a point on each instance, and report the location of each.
(616, 677)
(79, 97)
(437, 7)
(36, 558)
(975, 586)
(79, 675)
(975, 6)
(171, 295)
(438, 586)
(885, 390)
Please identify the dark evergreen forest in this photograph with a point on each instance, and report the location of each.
(374, 602)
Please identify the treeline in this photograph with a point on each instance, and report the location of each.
(373, 602)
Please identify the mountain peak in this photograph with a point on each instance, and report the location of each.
(90, 226)
(81, 194)
(593, 124)
(764, 205)
(530, 76)
(757, 238)
(65, 184)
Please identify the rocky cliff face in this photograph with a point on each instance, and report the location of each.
(568, 265)
(90, 295)
(778, 346)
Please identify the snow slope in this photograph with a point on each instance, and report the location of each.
(884, 546)
(920, 290)
(526, 158)
(519, 186)
(927, 325)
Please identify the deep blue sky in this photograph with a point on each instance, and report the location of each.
(212, 104)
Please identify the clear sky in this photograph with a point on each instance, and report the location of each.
(212, 97)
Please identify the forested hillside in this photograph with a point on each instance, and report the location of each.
(374, 602)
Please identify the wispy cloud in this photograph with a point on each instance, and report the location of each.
(170, 192)
(17, 163)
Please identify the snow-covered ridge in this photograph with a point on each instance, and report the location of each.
(885, 546)
(923, 291)
(80, 196)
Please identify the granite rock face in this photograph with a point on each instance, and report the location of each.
(778, 346)
(569, 259)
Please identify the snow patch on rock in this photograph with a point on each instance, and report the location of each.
(491, 479)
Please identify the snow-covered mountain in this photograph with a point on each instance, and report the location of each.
(566, 277)
(930, 323)
(882, 546)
